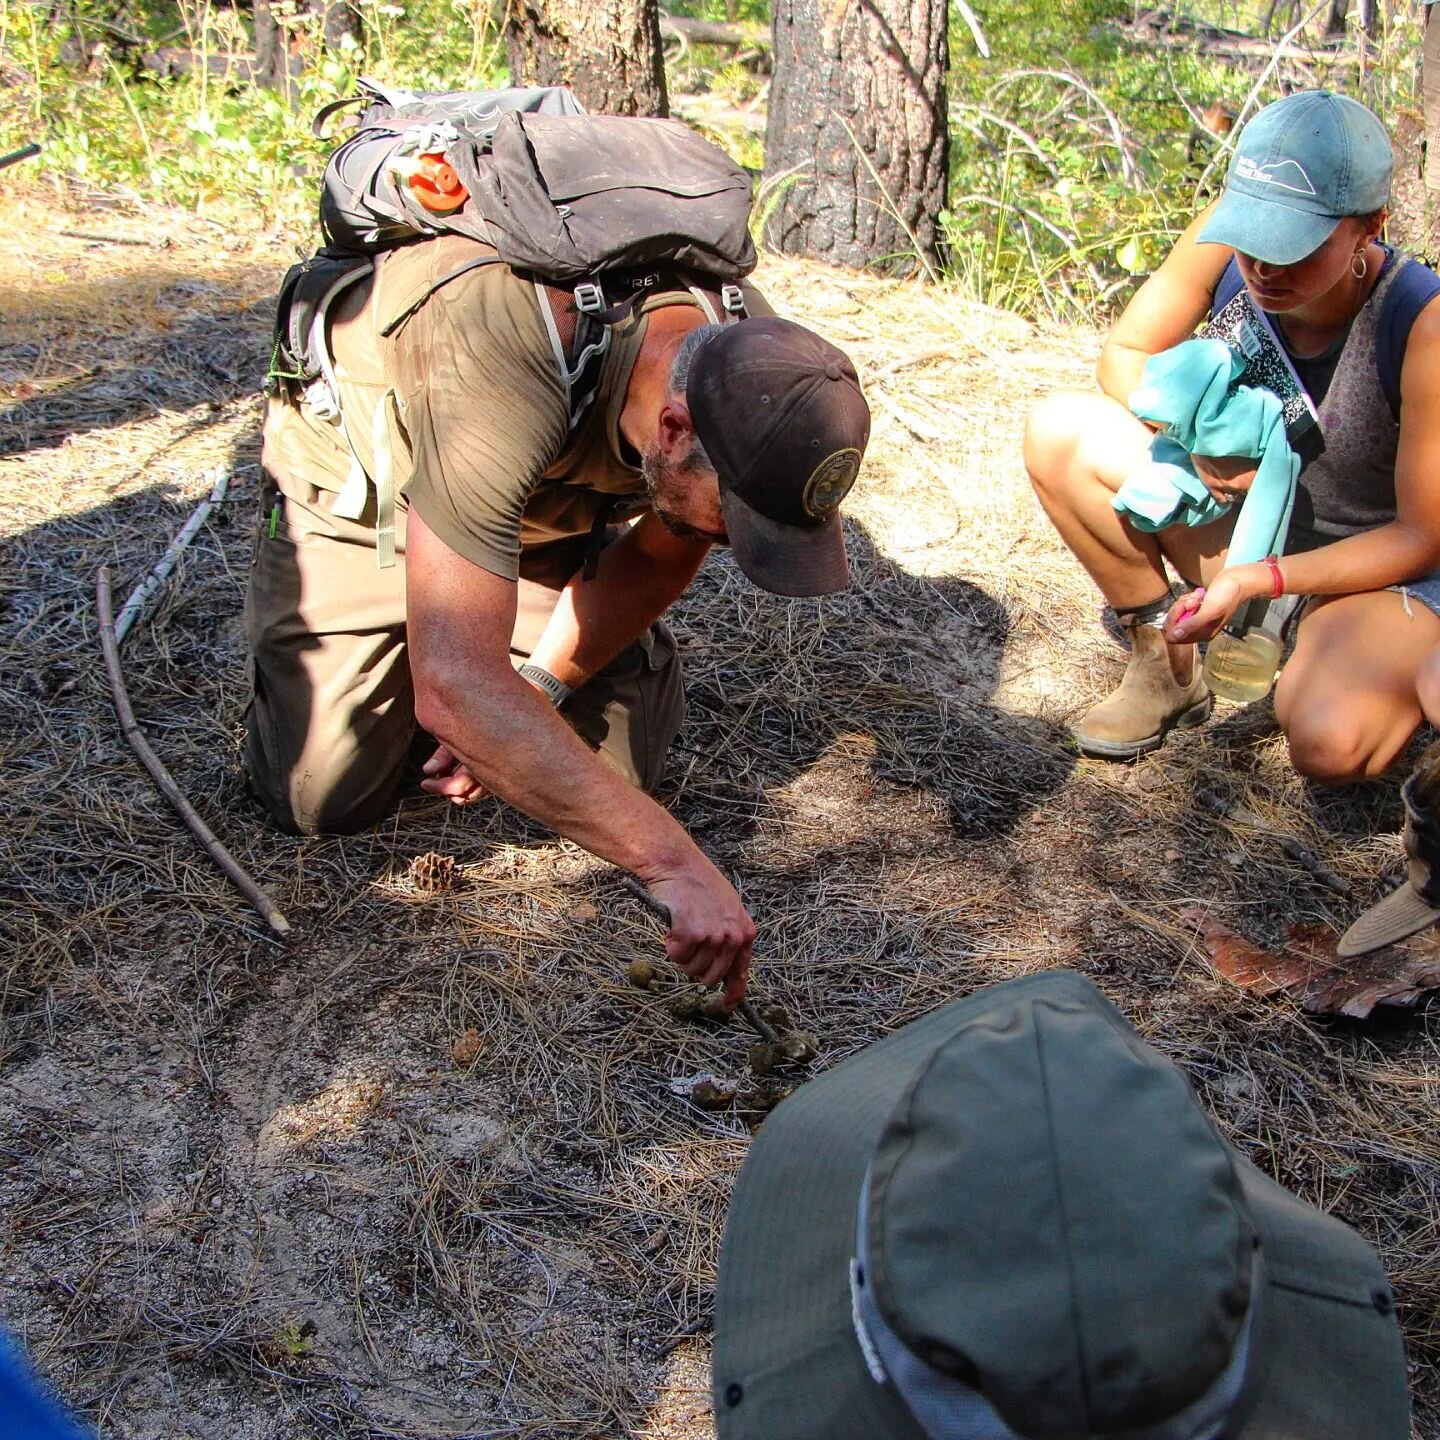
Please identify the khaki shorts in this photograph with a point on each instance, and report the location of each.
(331, 722)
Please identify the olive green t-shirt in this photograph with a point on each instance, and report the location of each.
(478, 422)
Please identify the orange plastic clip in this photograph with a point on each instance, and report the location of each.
(434, 183)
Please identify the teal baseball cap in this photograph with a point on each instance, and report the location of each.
(1012, 1220)
(1300, 167)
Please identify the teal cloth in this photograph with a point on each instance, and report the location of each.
(1191, 392)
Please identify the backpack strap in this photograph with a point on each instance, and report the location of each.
(1227, 287)
(1410, 292)
(578, 323)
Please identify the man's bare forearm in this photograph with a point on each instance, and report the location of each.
(639, 577)
(515, 744)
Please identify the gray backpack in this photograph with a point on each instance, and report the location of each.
(595, 210)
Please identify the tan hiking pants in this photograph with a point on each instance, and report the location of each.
(331, 722)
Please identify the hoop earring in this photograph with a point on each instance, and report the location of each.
(1362, 269)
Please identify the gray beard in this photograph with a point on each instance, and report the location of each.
(650, 472)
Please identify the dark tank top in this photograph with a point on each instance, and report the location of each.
(1350, 487)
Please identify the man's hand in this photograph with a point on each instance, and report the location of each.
(710, 934)
(446, 774)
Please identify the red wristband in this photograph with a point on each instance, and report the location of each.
(1277, 580)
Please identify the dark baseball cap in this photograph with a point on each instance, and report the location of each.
(1300, 167)
(781, 416)
(1012, 1219)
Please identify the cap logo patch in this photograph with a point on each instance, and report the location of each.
(830, 482)
(1282, 174)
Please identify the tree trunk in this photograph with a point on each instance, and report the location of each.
(858, 118)
(284, 48)
(606, 51)
(1369, 20)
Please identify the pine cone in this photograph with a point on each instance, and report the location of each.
(433, 873)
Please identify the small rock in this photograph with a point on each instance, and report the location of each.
(800, 1047)
(765, 1057)
(74, 1174)
(466, 1048)
(713, 1007)
(1172, 855)
(710, 1096)
(1235, 859)
(775, 1016)
(642, 975)
(701, 1005)
(156, 1048)
(764, 1098)
(216, 1203)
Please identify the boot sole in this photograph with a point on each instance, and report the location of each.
(1197, 714)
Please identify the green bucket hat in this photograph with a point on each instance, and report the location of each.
(1013, 1219)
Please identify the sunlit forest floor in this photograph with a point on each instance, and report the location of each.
(253, 1188)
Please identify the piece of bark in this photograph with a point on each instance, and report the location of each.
(1309, 966)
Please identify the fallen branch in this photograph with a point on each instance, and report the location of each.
(25, 152)
(661, 912)
(1219, 804)
(140, 596)
(704, 32)
(110, 649)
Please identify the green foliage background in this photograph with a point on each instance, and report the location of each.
(1076, 157)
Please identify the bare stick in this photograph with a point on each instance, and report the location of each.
(110, 648)
(142, 594)
(661, 912)
(16, 156)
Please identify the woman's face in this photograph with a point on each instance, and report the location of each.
(1278, 288)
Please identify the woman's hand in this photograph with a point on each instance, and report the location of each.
(1202, 613)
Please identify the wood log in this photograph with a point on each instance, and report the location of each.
(705, 32)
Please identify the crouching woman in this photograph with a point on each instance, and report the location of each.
(1298, 225)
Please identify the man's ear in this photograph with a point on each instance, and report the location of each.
(675, 430)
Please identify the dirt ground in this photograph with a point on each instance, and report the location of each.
(254, 1188)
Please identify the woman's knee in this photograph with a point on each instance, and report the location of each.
(1076, 440)
(1427, 686)
(1054, 431)
(1333, 748)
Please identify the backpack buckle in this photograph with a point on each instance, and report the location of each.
(321, 398)
(589, 298)
(732, 301)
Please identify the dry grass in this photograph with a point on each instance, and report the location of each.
(246, 1190)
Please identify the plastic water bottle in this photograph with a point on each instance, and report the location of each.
(1241, 662)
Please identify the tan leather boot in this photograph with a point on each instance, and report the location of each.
(1149, 702)
(1415, 904)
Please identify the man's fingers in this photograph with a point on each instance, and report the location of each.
(459, 786)
(738, 978)
(442, 760)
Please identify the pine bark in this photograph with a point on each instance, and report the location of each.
(606, 51)
(858, 117)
